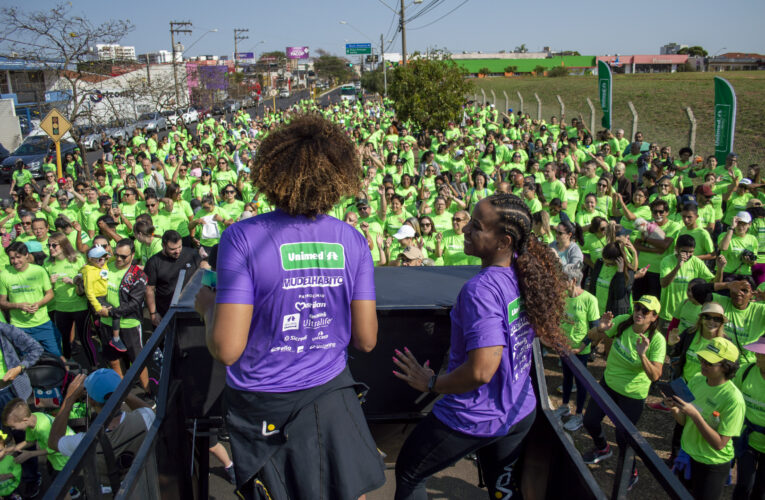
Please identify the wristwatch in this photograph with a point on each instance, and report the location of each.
(432, 384)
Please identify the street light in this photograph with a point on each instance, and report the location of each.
(214, 30)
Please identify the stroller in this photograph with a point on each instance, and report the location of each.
(50, 377)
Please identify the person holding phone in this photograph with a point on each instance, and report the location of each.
(710, 421)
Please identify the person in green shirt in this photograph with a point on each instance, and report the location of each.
(676, 272)
(25, 290)
(208, 222)
(37, 427)
(715, 415)
(581, 315)
(738, 246)
(635, 361)
(69, 308)
(652, 251)
(450, 245)
(705, 249)
(750, 448)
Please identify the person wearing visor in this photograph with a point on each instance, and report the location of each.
(709, 420)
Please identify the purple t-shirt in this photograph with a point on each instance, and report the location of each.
(489, 312)
(300, 276)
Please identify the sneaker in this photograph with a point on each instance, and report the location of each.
(594, 456)
(658, 407)
(633, 479)
(560, 389)
(230, 473)
(574, 423)
(118, 344)
(562, 411)
(74, 493)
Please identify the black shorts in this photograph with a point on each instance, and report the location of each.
(130, 336)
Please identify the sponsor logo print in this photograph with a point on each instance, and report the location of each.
(312, 282)
(312, 255)
(320, 336)
(330, 345)
(309, 305)
(315, 324)
(290, 322)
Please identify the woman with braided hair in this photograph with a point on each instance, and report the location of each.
(489, 404)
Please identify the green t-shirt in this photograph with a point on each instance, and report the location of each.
(453, 246)
(671, 229)
(743, 326)
(442, 222)
(688, 314)
(593, 246)
(9, 466)
(727, 400)
(704, 245)
(148, 251)
(673, 294)
(66, 298)
(753, 390)
(624, 370)
(733, 254)
(692, 365)
(113, 295)
(602, 285)
(580, 312)
(232, 210)
(40, 434)
(178, 219)
(29, 285)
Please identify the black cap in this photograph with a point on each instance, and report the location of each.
(362, 202)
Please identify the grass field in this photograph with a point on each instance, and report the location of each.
(660, 100)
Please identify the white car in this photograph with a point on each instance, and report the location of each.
(284, 93)
(190, 115)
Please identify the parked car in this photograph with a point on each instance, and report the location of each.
(152, 122)
(218, 109)
(284, 93)
(248, 102)
(232, 105)
(32, 152)
(190, 115)
(91, 138)
(119, 129)
(4, 153)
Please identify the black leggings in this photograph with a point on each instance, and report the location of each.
(568, 383)
(64, 321)
(707, 481)
(750, 482)
(593, 417)
(433, 446)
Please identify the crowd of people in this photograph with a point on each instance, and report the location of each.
(663, 256)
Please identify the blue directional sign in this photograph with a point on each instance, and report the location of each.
(358, 48)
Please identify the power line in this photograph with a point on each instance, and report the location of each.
(425, 10)
(433, 22)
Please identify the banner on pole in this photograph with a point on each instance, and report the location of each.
(725, 118)
(297, 52)
(605, 89)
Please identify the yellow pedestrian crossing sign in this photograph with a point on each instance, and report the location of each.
(55, 125)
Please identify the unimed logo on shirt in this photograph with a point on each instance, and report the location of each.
(513, 310)
(312, 255)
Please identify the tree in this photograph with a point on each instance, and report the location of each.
(557, 71)
(695, 50)
(374, 81)
(521, 48)
(484, 71)
(332, 68)
(511, 69)
(429, 93)
(539, 70)
(59, 41)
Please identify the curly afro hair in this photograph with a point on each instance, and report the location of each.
(307, 166)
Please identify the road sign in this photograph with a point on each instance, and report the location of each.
(358, 48)
(55, 125)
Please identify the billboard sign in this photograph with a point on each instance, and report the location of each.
(245, 55)
(297, 52)
(358, 48)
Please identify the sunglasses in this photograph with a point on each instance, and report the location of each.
(121, 256)
(602, 185)
(714, 319)
(457, 219)
(641, 309)
(150, 205)
(53, 245)
(665, 185)
(229, 191)
(658, 211)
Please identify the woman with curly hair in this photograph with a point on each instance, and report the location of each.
(295, 287)
(489, 404)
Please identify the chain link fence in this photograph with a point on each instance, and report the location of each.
(664, 107)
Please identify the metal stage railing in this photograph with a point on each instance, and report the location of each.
(179, 437)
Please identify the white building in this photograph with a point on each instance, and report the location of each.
(159, 57)
(107, 52)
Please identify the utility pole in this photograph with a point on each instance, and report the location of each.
(385, 66)
(177, 27)
(403, 35)
(237, 38)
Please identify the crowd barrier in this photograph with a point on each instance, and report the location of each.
(413, 307)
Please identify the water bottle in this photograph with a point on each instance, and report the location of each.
(714, 420)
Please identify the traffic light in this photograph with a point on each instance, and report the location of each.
(350, 64)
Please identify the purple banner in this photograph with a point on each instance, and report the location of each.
(297, 52)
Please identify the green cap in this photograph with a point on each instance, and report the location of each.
(650, 302)
(717, 349)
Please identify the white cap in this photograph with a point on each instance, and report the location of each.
(744, 217)
(405, 231)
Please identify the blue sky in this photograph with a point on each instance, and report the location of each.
(589, 26)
